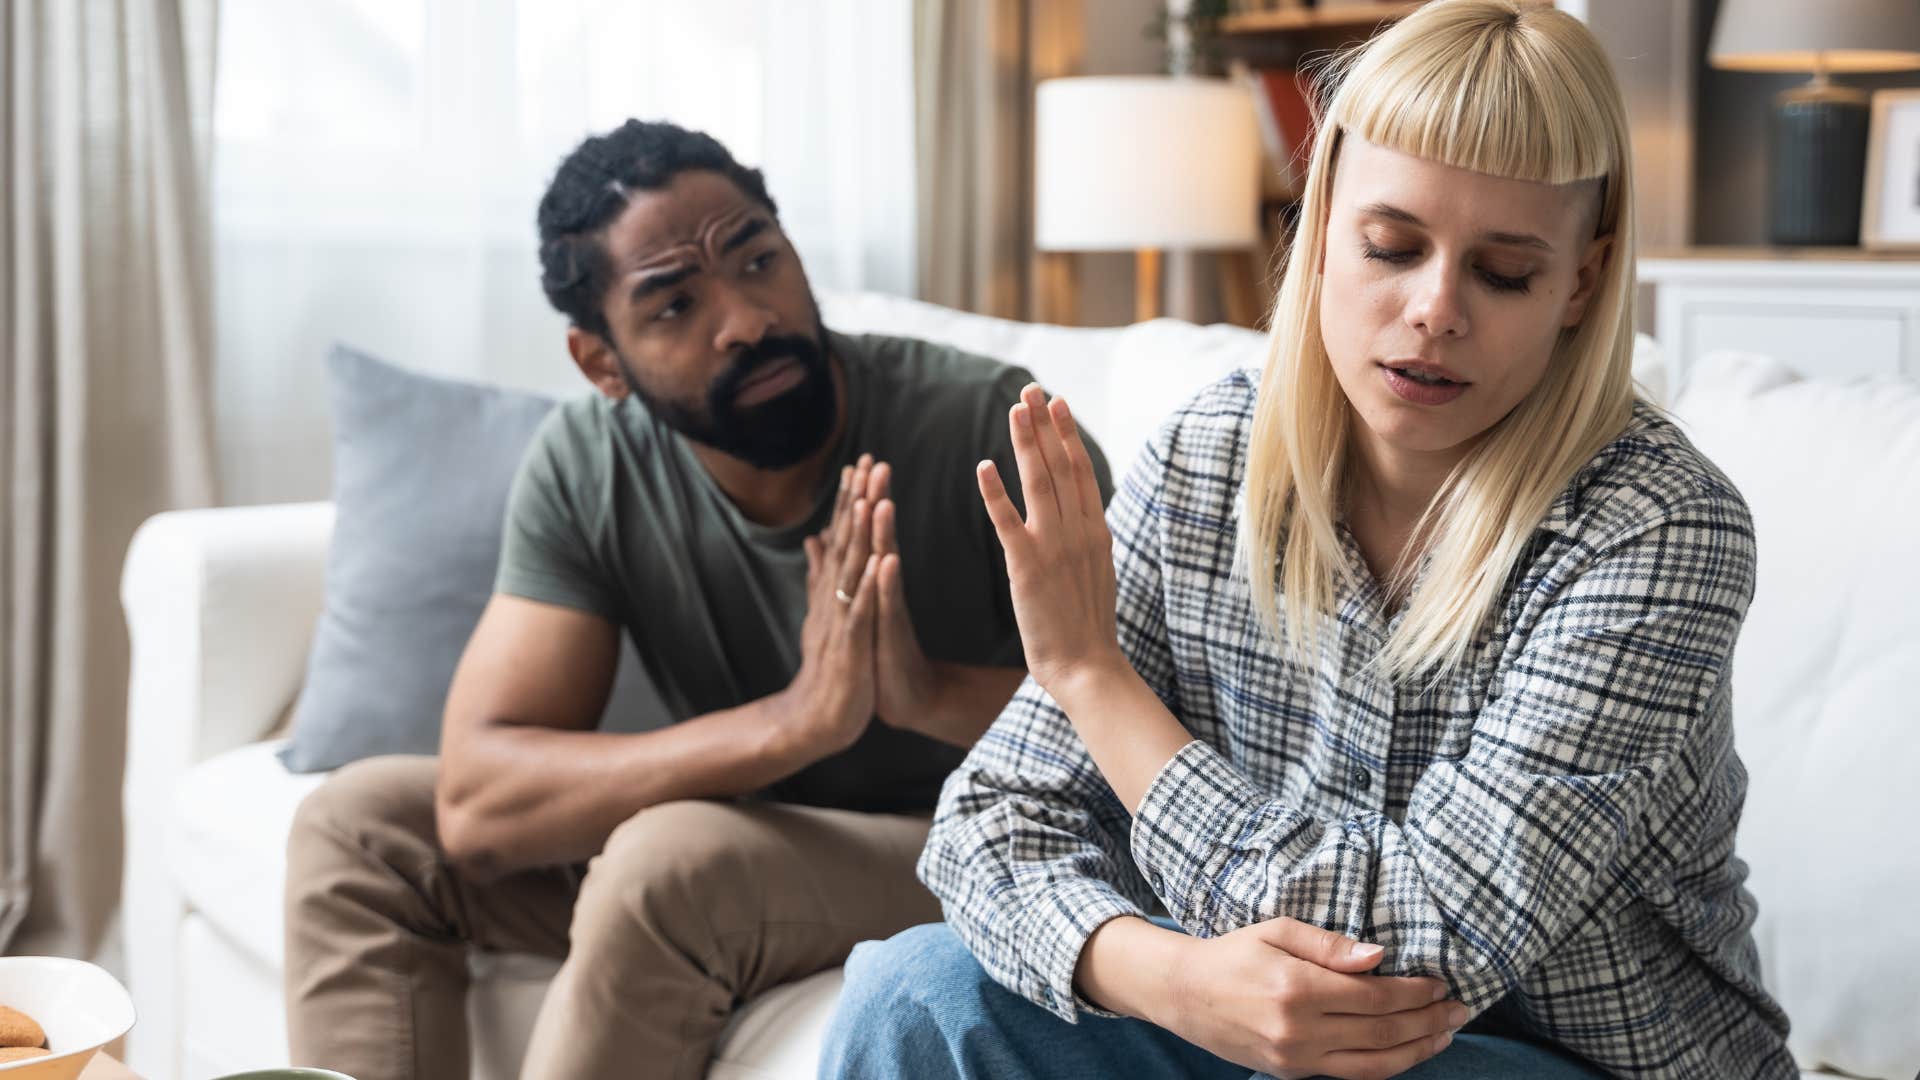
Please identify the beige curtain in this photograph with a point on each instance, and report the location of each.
(976, 63)
(105, 345)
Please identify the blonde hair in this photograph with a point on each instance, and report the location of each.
(1495, 87)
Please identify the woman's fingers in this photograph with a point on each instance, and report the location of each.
(1079, 460)
(1053, 450)
(1352, 1032)
(1383, 1062)
(1000, 509)
(1036, 480)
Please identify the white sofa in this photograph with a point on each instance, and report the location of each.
(221, 605)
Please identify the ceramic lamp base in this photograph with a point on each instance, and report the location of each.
(1819, 150)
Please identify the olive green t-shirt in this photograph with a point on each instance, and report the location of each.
(611, 513)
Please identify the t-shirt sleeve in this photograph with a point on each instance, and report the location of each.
(547, 550)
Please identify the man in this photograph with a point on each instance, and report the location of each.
(784, 521)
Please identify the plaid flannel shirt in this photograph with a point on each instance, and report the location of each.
(1550, 831)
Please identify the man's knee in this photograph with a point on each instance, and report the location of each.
(369, 810)
(673, 869)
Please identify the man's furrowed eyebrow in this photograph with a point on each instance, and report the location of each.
(751, 229)
(654, 282)
(1512, 239)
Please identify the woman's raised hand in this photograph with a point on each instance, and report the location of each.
(1060, 559)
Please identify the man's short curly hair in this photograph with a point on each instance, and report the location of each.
(592, 187)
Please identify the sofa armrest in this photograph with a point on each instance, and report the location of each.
(220, 608)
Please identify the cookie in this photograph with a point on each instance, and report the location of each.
(19, 1029)
(11, 1054)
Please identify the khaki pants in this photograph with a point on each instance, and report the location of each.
(690, 909)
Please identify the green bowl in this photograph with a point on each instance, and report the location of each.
(288, 1074)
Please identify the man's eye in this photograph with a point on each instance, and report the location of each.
(1386, 255)
(760, 262)
(673, 310)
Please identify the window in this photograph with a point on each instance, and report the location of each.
(377, 164)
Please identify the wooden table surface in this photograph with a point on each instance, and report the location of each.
(105, 1067)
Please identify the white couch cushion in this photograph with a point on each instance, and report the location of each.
(1824, 696)
(227, 842)
(778, 1035)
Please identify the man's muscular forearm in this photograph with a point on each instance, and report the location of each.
(513, 796)
(517, 792)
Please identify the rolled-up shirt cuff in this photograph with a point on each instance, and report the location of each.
(1196, 804)
(1055, 931)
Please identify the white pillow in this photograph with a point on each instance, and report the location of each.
(1157, 366)
(1827, 696)
(1650, 369)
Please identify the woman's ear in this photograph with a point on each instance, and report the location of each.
(598, 362)
(1587, 280)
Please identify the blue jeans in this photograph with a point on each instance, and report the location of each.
(918, 1006)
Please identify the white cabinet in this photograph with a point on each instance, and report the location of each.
(1832, 316)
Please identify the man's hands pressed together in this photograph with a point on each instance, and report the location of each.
(908, 685)
(830, 701)
(860, 657)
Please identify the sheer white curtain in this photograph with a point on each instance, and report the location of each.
(377, 164)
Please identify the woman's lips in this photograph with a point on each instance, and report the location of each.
(770, 382)
(1420, 392)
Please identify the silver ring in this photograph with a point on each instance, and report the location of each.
(841, 595)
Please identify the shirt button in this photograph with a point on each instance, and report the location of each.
(1362, 779)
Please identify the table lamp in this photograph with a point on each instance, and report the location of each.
(1818, 153)
(1144, 164)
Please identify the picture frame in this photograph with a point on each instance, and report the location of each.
(1890, 208)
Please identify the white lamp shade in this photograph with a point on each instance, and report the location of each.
(1800, 35)
(1125, 163)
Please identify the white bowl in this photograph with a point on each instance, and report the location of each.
(81, 1007)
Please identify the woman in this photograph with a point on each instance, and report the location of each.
(1421, 642)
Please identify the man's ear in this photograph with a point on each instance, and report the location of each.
(1587, 280)
(598, 362)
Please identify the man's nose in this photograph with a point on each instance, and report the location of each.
(743, 322)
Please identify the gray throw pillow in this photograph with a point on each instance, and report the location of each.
(421, 469)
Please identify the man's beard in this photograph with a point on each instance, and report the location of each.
(773, 434)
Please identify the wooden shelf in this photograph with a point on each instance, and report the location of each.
(1343, 17)
(1347, 17)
